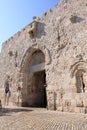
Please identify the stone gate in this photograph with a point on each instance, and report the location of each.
(48, 58)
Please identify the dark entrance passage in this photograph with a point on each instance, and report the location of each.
(33, 78)
(80, 84)
(39, 99)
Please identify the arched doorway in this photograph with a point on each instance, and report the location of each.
(79, 71)
(38, 91)
(34, 77)
(80, 84)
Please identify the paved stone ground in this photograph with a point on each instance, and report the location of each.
(41, 119)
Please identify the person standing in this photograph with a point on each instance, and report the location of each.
(18, 94)
(7, 91)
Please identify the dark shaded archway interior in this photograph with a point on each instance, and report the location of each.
(79, 81)
(34, 92)
(40, 100)
(39, 80)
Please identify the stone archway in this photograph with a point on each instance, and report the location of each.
(80, 83)
(79, 71)
(33, 78)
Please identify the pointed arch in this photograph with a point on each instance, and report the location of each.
(33, 76)
(79, 71)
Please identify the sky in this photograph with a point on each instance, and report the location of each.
(16, 14)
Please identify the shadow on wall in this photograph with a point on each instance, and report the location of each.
(10, 111)
(76, 19)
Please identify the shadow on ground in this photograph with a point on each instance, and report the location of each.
(10, 111)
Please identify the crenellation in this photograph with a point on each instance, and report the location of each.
(48, 13)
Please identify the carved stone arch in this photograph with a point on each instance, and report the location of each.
(47, 54)
(26, 57)
(32, 66)
(78, 65)
(27, 54)
(79, 71)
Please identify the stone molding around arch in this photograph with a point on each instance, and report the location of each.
(29, 71)
(79, 71)
(77, 66)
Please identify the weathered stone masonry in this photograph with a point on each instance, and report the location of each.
(53, 50)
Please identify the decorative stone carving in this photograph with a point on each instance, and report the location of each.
(79, 70)
(33, 29)
(77, 66)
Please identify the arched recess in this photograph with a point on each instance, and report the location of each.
(33, 78)
(79, 70)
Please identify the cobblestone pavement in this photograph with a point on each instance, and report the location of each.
(41, 119)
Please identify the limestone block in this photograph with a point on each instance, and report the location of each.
(63, 102)
(85, 102)
(77, 109)
(82, 110)
(50, 97)
(67, 103)
(59, 103)
(71, 109)
(66, 109)
(68, 96)
(79, 103)
(73, 89)
(73, 102)
(50, 105)
(67, 22)
(58, 98)
(59, 108)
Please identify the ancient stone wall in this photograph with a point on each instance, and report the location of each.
(61, 35)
